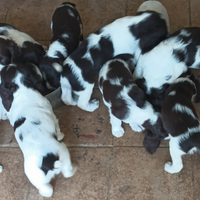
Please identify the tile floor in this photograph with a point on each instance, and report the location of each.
(108, 168)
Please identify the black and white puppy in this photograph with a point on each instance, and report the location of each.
(29, 50)
(36, 127)
(181, 122)
(126, 102)
(67, 31)
(128, 35)
(159, 67)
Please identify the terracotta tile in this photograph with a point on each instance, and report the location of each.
(34, 17)
(131, 138)
(90, 181)
(84, 128)
(196, 173)
(7, 137)
(4, 6)
(195, 15)
(137, 175)
(178, 12)
(13, 181)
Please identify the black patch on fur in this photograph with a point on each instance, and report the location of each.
(156, 96)
(64, 23)
(191, 42)
(29, 53)
(176, 122)
(7, 87)
(52, 76)
(21, 137)
(98, 32)
(19, 122)
(38, 122)
(102, 54)
(151, 31)
(73, 80)
(48, 162)
(153, 135)
(179, 54)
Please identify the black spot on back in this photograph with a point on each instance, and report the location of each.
(179, 54)
(48, 162)
(19, 122)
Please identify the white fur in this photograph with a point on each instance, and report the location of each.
(172, 93)
(183, 109)
(17, 36)
(54, 47)
(158, 64)
(57, 67)
(157, 7)
(126, 44)
(38, 139)
(1, 168)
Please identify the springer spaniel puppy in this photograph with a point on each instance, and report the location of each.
(128, 35)
(29, 50)
(36, 127)
(180, 120)
(67, 31)
(158, 68)
(126, 102)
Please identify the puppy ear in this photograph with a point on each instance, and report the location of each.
(6, 93)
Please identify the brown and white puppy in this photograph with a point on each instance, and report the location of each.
(36, 127)
(67, 31)
(127, 103)
(181, 122)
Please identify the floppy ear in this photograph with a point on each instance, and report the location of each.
(6, 93)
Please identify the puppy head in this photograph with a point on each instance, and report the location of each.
(51, 69)
(29, 53)
(31, 76)
(7, 86)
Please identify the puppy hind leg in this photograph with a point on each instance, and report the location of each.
(116, 125)
(84, 101)
(176, 153)
(66, 88)
(136, 127)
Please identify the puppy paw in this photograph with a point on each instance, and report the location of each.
(60, 136)
(136, 127)
(172, 169)
(69, 172)
(1, 168)
(93, 105)
(46, 190)
(118, 133)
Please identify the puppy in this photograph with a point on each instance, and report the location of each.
(127, 35)
(181, 122)
(67, 31)
(126, 102)
(36, 127)
(29, 50)
(159, 67)
(155, 5)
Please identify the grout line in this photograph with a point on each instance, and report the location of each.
(190, 21)
(110, 174)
